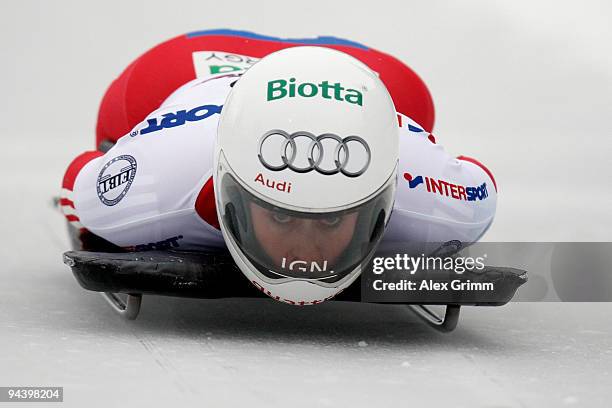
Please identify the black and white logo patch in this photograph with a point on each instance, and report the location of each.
(115, 179)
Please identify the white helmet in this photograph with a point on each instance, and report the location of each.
(305, 171)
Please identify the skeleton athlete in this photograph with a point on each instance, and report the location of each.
(150, 183)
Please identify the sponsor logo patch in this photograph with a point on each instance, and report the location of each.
(281, 88)
(220, 62)
(448, 189)
(115, 179)
(302, 152)
(179, 118)
(275, 185)
(162, 245)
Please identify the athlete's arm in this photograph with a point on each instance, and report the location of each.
(150, 190)
(439, 197)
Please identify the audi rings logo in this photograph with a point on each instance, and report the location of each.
(303, 152)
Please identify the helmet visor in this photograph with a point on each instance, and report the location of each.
(284, 244)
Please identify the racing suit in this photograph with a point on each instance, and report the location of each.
(153, 189)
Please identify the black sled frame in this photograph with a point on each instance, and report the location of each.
(212, 275)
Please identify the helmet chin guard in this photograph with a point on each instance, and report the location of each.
(305, 171)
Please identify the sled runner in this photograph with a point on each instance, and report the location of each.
(212, 275)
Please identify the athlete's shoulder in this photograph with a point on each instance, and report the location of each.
(157, 73)
(208, 88)
(439, 197)
(197, 102)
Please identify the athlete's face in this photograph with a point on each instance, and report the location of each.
(304, 239)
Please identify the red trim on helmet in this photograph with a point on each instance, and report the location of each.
(482, 166)
(205, 204)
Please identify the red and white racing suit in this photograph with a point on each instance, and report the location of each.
(153, 189)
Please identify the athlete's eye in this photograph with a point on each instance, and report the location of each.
(281, 218)
(331, 222)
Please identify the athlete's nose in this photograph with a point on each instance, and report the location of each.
(305, 243)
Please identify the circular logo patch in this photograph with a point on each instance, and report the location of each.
(115, 179)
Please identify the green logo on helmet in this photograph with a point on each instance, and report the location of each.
(280, 88)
